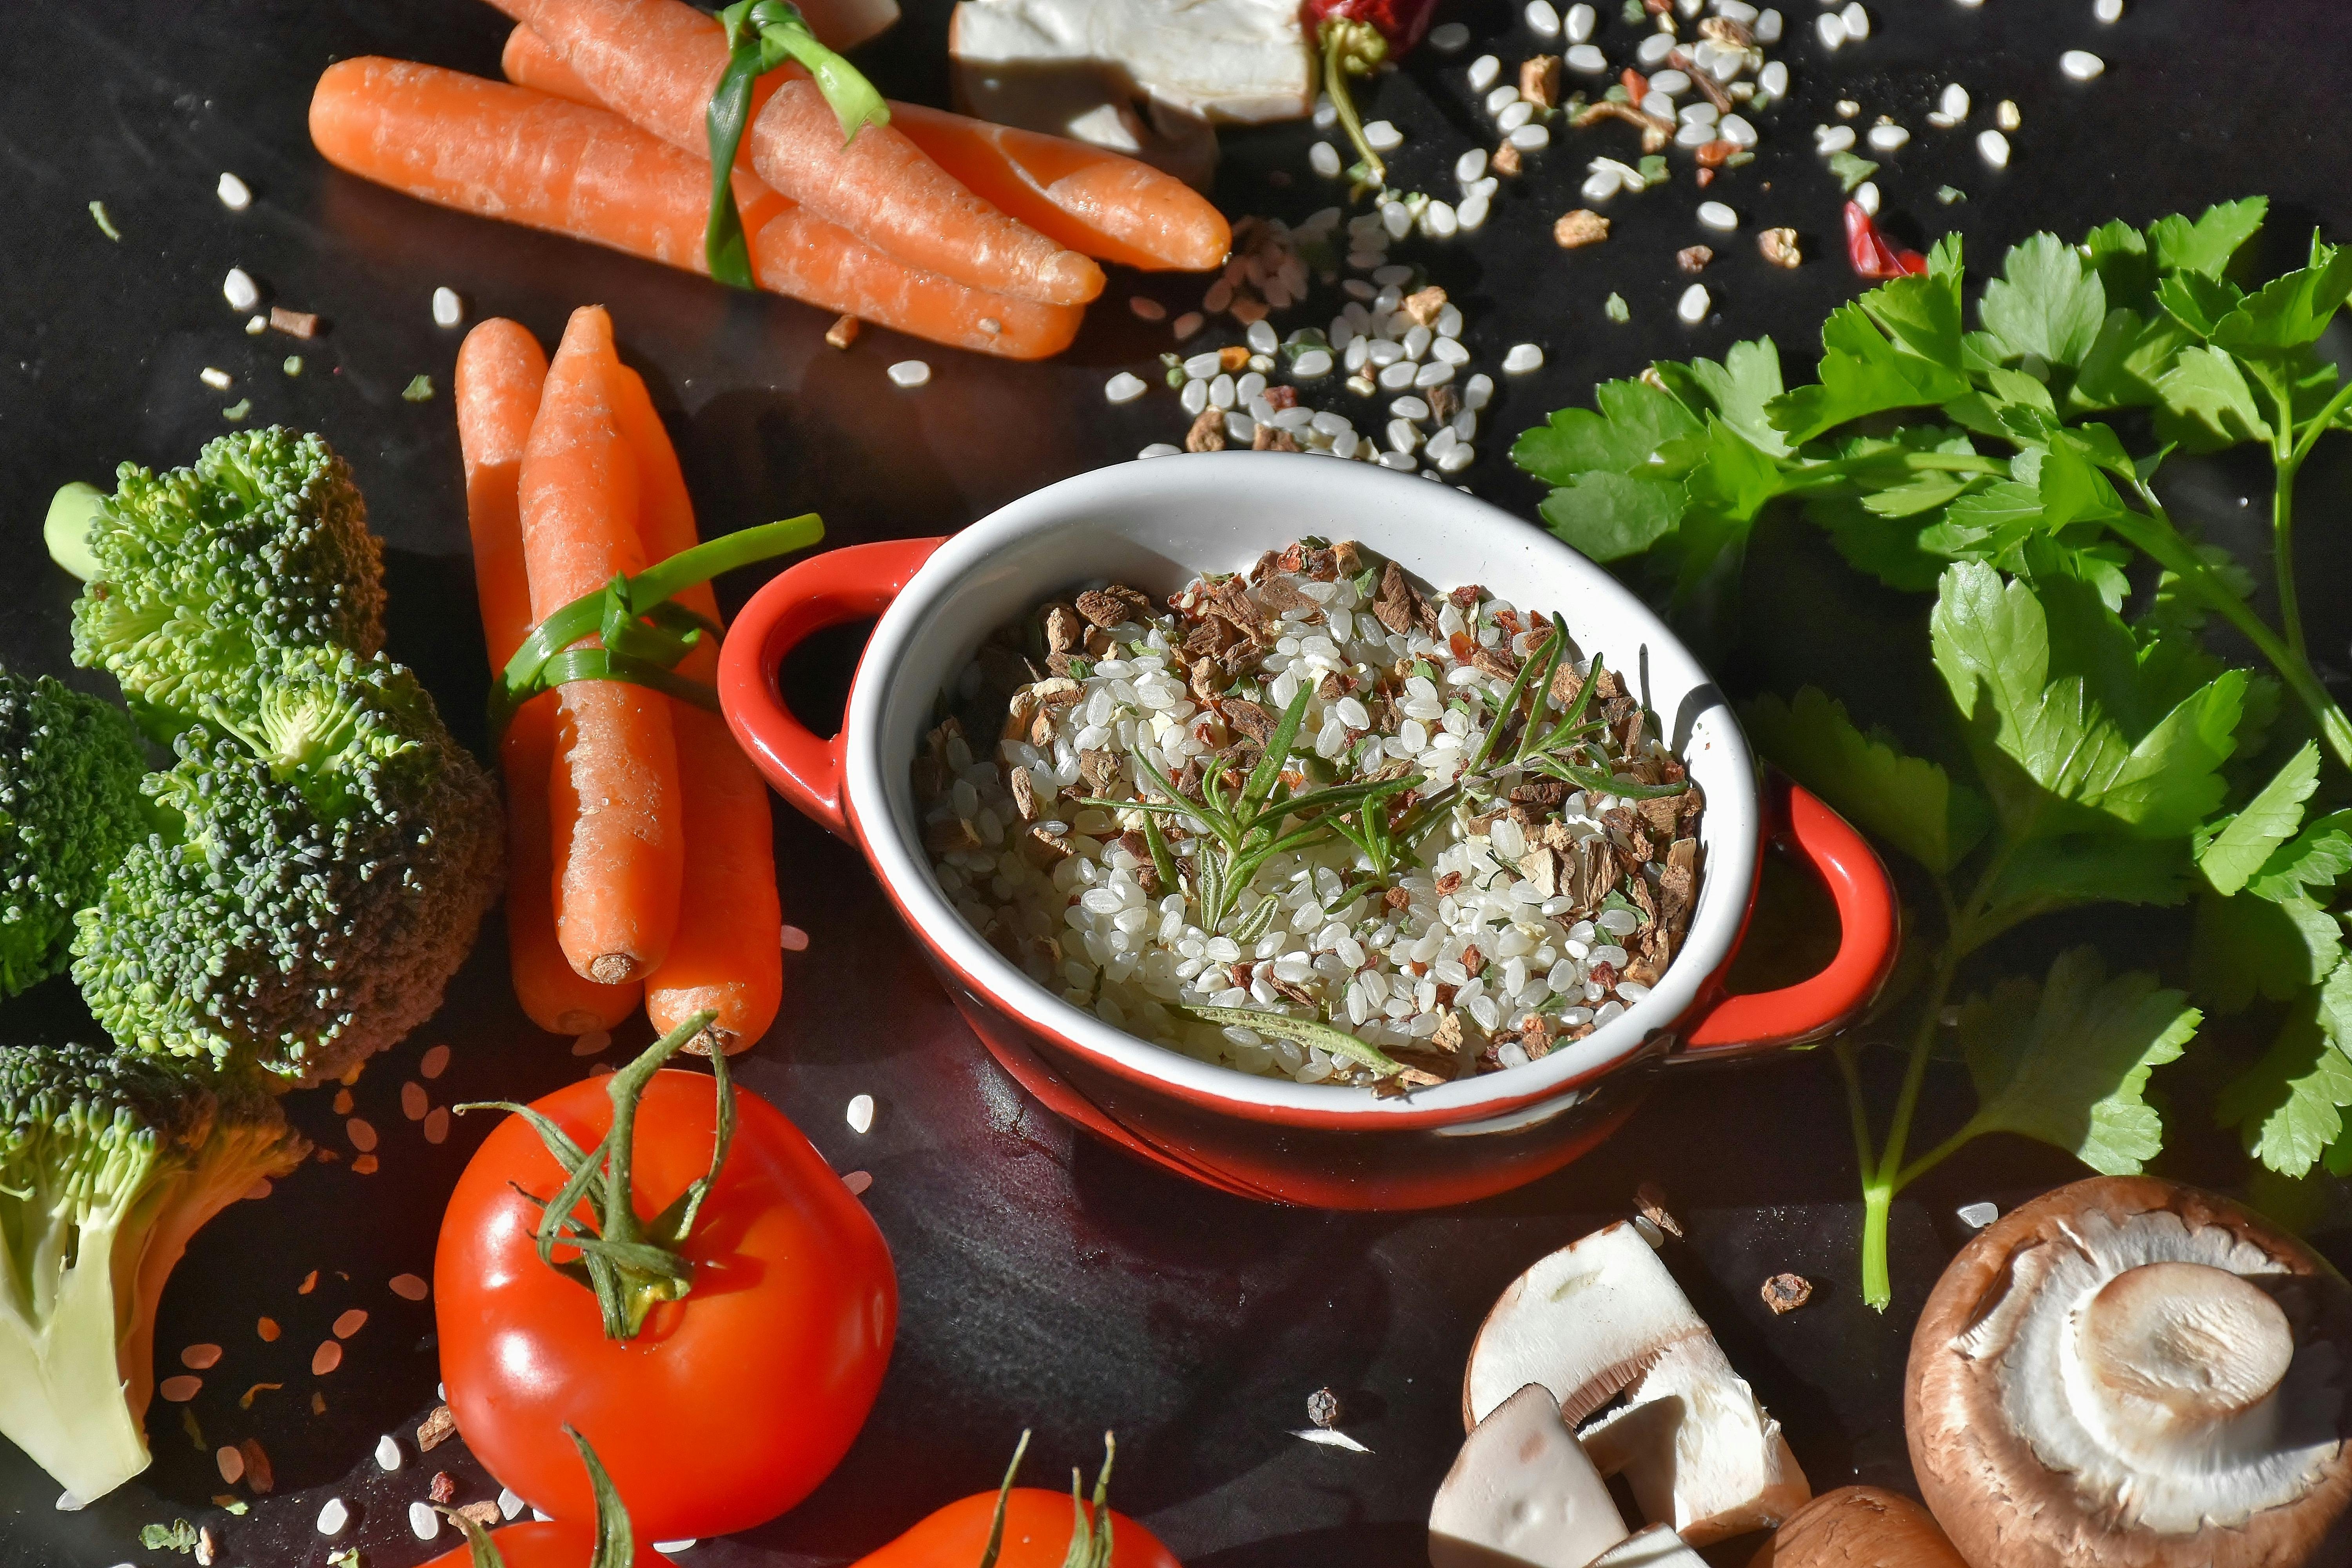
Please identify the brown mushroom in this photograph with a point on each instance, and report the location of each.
(1859, 1527)
(2138, 1374)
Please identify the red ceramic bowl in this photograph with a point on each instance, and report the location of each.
(1156, 525)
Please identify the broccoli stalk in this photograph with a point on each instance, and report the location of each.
(69, 806)
(198, 576)
(109, 1164)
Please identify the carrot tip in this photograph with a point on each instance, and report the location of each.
(613, 969)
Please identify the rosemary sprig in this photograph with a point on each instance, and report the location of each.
(1236, 835)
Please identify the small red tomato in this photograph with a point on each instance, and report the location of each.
(732, 1402)
(1037, 1529)
(544, 1546)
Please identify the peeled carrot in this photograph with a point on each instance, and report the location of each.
(612, 790)
(509, 153)
(728, 954)
(499, 372)
(656, 62)
(1094, 202)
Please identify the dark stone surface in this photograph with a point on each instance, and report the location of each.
(1045, 1280)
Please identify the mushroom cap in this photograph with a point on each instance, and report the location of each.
(1859, 1527)
(2102, 1320)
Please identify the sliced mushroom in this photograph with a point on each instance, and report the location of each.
(1859, 1527)
(1521, 1493)
(2138, 1374)
(1696, 1448)
(1655, 1547)
(1584, 1322)
(1140, 77)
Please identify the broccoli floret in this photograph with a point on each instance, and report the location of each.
(69, 806)
(203, 572)
(327, 861)
(109, 1163)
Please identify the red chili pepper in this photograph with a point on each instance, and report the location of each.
(1869, 250)
(1356, 38)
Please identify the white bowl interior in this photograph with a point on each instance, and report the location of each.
(1155, 525)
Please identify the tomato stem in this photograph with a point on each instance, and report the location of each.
(617, 1545)
(1003, 1496)
(629, 1262)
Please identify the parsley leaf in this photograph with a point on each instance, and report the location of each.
(1634, 419)
(1908, 801)
(2287, 1108)
(2206, 244)
(2046, 302)
(2207, 402)
(1992, 644)
(1850, 169)
(2240, 846)
(2291, 310)
(1608, 516)
(2317, 855)
(2066, 1061)
(2245, 947)
(1861, 373)
(1736, 390)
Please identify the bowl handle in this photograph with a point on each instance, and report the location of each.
(1869, 934)
(849, 583)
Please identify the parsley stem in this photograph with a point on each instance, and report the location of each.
(1857, 1109)
(2154, 536)
(2283, 558)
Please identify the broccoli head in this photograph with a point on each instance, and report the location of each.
(203, 571)
(328, 855)
(110, 1162)
(69, 806)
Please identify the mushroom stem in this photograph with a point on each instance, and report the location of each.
(2175, 1355)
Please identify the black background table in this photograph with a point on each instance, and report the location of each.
(1046, 1280)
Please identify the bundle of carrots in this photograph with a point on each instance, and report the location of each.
(640, 857)
(947, 229)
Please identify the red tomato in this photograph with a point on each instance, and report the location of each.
(735, 1402)
(544, 1546)
(1037, 1525)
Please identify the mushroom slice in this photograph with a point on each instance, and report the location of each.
(1521, 1493)
(1584, 1322)
(2129, 1372)
(1146, 78)
(1656, 1547)
(1859, 1527)
(1696, 1448)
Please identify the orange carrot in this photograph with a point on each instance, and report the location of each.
(728, 954)
(656, 62)
(1094, 202)
(612, 791)
(506, 152)
(499, 372)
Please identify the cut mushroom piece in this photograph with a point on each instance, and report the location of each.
(1696, 1448)
(1859, 1527)
(1584, 1322)
(1656, 1547)
(1140, 76)
(2136, 1373)
(1521, 1494)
